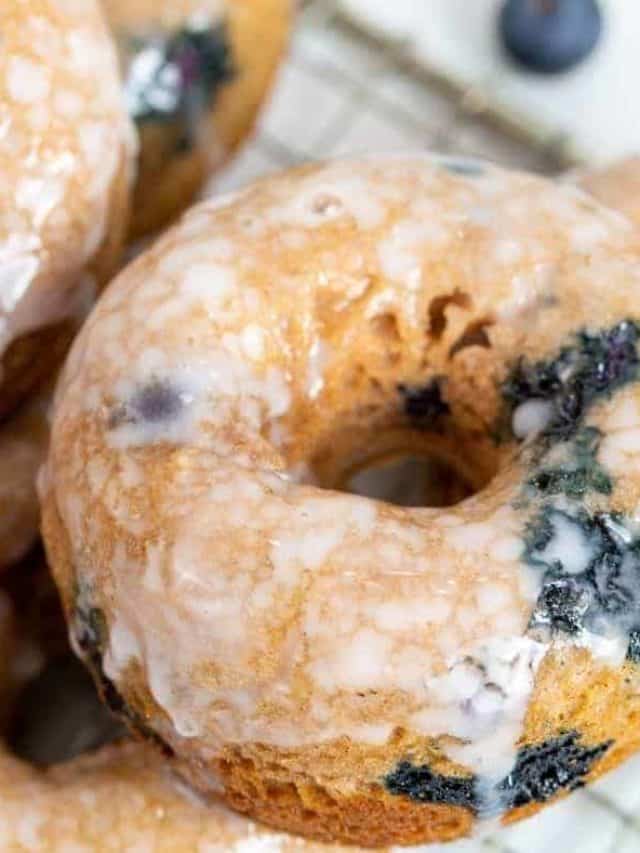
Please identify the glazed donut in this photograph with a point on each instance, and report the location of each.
(23, 444)
(331, 664)
(65, 150)
(617, 186)
(196, 72)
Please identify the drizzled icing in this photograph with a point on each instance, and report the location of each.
(260, 609)
(64, 143)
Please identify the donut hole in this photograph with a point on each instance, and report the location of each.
(58, 715)
(52, 712)
(403, 466)
(410, 480)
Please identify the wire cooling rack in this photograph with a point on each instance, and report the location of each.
(341, 92)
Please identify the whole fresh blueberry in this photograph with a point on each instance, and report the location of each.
(550, 35)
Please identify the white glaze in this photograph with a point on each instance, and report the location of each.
(59, 174)
(248, 589)
(531, 418)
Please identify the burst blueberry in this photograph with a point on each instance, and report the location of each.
(420, 783)
(561, 607)
(603, 594)
(540, 771)
(176, 79)
(153, 403)
(589, 369)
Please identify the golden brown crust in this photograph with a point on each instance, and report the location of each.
(374, 818)
(572, 693)
(338, 667)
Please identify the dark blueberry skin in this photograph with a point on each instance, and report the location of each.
(422, 785)
(583, 373)
(154, 403)
(544, 769)
(583, 475)
(606, 592)
(540, 771)
(549, 36)
(175, 78)
(633, 650)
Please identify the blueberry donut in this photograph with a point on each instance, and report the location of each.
(196, 72)
(334, 664)
(65, 152)
(23, 443)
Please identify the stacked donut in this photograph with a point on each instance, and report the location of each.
(111, 119)
(333, 665)
(193, 78)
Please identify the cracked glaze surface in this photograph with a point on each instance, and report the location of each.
(64, 141)
(214, 380)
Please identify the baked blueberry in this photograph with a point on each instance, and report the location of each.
(548, 36)
(420, 783)
(153, 403)
(424, 404)
(177, 78)
(543, 769)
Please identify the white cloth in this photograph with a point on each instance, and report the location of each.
(593, 109)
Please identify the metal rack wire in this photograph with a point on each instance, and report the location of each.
(342, 92)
